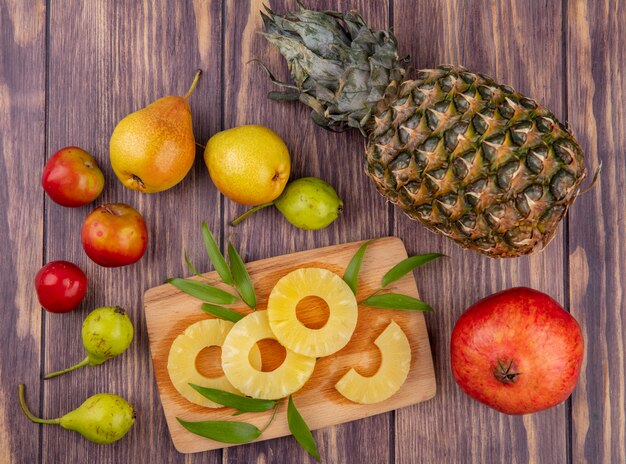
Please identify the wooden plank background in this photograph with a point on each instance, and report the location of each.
(69, 70)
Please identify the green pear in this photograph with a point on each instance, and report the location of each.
(307, 203)
(107, 332)
(102, 418)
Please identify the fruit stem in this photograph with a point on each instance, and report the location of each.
(30, 414)
(201, 146)
(193, 84)
(84, 362)
(249, 212)
(271, 418)
(364, 299)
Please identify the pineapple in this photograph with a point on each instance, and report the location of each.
(468, 157)
(181, 362)
(286, 379)
(394, 368)
(290, 332)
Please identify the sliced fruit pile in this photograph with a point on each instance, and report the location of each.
(240, 354)
(248, 384)
(286, 379)
(181, 363)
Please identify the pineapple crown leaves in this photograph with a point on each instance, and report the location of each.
(341, 68)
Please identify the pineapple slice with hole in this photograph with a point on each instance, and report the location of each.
(286, 379)
(391, 375)
(181, 362)
(293, 334)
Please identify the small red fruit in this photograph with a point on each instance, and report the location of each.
(71, 177)
(517, 351)
(114, 235)
(60, 286)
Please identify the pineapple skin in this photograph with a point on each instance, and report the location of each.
(474, 160)
(470, 158)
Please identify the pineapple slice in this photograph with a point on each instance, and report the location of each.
(394, 368)
(286, 379)
(290, 332)
(181, 362)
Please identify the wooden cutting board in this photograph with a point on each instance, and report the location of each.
(169, 312)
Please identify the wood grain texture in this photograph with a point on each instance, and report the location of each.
(337, 158)
(102, 59)
(22, 142)
(107, 59)
(490, 37)
(169, 311)
(596, 42)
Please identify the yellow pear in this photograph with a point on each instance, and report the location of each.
(153, 148)
(248, 164)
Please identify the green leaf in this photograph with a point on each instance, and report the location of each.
(351, 274)
(190, 266)
(215, 255)
(221, 312)
(223, 431)
(242, 278)
(396, 301)
(202, 291)
(407, 265)
(300, 430)
(242, 403)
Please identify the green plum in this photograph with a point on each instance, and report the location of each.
(308, 203)
(107, 332)
(102, 418)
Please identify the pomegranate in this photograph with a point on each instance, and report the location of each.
(517, 351)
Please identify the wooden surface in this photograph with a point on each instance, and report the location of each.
(69, 70)
(168, 312)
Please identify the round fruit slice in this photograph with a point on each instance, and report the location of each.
(293, 334)
(181, 363)
(394, 367)
(286, 379)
